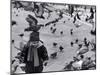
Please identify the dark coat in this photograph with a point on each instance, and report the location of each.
(42, 54)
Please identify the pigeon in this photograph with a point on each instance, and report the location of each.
(54, 25)
(21, 35)
(13, 61)
(16, 15)
(12, 41)
(71, 44)
(93, 32)
(54, 30)
(64, 21)
(54, 44)
(14, 23)
(76, 41)
(53, 55)
(61, 32)
(80, 46)
(61, 48)
(51, 28)
(71, 31)
(82, 51)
